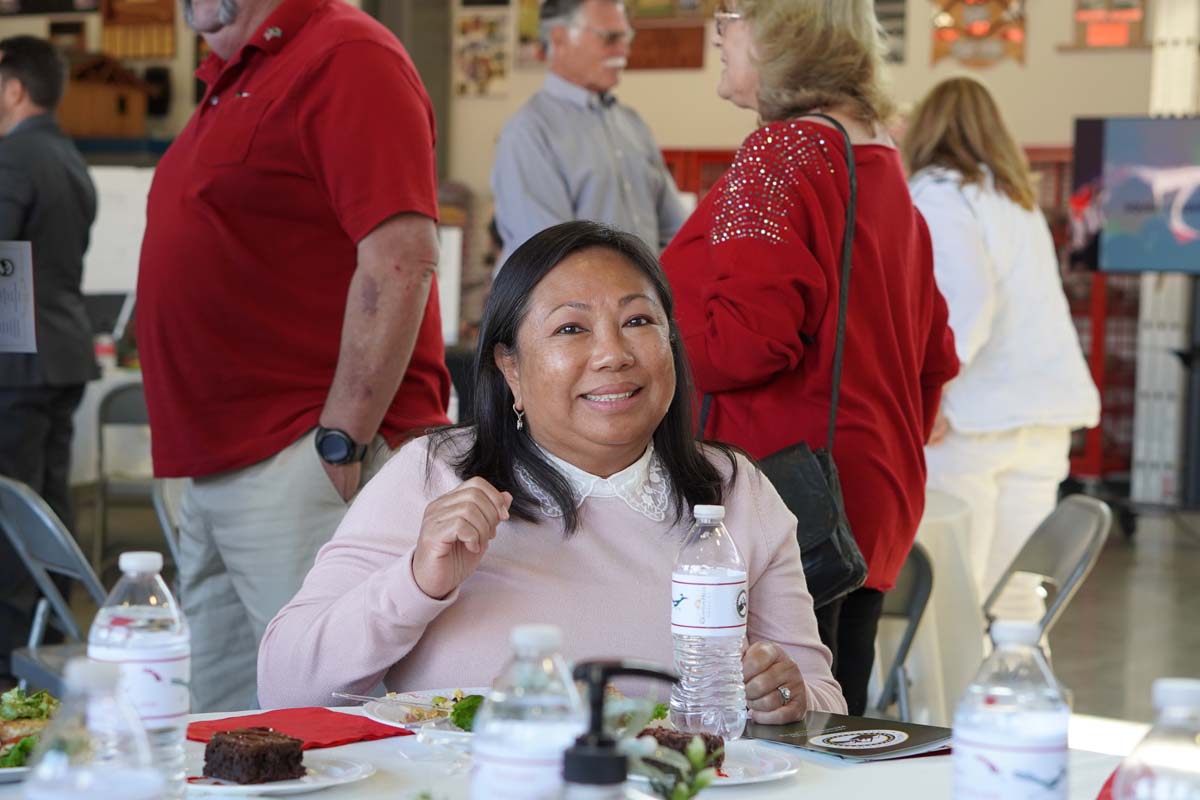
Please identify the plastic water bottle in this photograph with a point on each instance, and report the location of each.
(709, 602)
(1010, 730)
(1166, 765)
(141, 629)
(530, 717)
(94, 747)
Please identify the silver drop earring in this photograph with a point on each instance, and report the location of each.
(520, 417)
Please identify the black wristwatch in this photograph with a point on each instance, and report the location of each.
(336, 447)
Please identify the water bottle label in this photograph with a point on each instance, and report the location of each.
(996, 766)
(503, 773)
(156, 682)
(709, 605)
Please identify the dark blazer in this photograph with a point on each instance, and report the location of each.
(47, 198)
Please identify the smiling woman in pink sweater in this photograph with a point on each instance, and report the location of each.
(564, 502)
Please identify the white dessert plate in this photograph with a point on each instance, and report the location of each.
(392, 711)
(323, 772)
(749, 762)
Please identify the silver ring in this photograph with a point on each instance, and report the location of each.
(786, 694)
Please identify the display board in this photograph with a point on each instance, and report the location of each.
(1136, 205)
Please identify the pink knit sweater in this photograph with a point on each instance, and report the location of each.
(360, 617)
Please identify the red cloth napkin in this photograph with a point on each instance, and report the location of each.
(1106, 791)
(316, 727)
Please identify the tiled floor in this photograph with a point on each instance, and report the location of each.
(1136, 618)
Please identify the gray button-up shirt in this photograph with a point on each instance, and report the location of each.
(572, 154)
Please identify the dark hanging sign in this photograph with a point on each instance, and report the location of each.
(14, 7)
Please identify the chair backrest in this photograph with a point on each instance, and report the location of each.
(907, 600)
(46, 548)
(121, 405)
(1062, 550)
(124, 405)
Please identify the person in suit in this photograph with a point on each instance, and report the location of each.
(47, 199)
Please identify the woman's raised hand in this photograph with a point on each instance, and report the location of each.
(455, 533)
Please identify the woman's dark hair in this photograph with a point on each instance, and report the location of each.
(498, 447)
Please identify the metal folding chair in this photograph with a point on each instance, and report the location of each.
(122, 405)
(47, 549)
(907, 600)
(1062, 551)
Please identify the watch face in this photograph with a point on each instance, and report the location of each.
(334, 447)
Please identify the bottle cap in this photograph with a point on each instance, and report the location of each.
(709, 513)
(1176, 692)
(1016, 631)
(536, 638)
(83, 674)
(140, 561)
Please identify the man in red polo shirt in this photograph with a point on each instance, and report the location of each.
(287, 326)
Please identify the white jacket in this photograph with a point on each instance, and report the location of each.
(995, 263)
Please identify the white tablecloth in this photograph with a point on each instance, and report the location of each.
(948, 647)
(403, 773)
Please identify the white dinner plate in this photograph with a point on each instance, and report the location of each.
(323, 772)
(749, 762)
(13, 774)
(390, 713)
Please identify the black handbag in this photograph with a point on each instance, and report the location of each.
(807, 481)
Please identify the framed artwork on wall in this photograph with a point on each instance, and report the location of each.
(978, 33)
(1108, 24)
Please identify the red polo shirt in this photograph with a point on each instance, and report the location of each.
(313, 134)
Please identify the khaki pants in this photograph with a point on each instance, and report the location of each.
(1010, 481)
(247, 539)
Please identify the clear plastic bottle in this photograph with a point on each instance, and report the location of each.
(709, 602)
(94, 747)
(1010, 730)
(530, 717)
(141, 629)
(1166, 765)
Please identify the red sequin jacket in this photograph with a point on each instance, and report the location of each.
(755, 272)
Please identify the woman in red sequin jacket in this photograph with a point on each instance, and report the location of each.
(756, 274)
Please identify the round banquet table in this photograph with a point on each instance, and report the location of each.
(403, 773)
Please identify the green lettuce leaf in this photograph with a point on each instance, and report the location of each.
(15, 704)
(464, 711)
(19, 754)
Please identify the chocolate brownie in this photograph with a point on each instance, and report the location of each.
(253, 755)
(678, 740)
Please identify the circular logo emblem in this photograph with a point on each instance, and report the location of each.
(742, 603)
(860, 740)
(7, 268)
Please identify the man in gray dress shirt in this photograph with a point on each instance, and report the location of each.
(572, 151)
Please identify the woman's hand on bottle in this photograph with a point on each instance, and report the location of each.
(455, 534)
(766, 668)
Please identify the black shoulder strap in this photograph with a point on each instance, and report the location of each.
(843, 292)
(844, 287)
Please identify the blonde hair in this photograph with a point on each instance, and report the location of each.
(958, 125)
(816, 54)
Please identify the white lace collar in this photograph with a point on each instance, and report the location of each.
(643, 485)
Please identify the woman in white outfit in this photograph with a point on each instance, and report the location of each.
(1003, 440)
